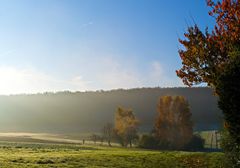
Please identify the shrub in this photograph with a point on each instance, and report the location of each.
(148, 142)
(195, 144)
(163, 144)
(151, 142)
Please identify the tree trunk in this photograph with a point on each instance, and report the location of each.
(130, 142)
(109, 143)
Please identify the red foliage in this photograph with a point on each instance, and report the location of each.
(206, 54)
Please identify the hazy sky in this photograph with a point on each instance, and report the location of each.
(53, 45)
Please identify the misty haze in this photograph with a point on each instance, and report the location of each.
(119, 84)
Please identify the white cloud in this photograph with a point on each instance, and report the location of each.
(87, 24)
(159, 76)
(106, 74)
(113, 75)
(16, 81)
(78, 83)
(156, 70)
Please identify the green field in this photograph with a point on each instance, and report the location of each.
(73, 155)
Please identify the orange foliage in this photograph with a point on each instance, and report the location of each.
(173, 123)
(126, 125)
(206, 54)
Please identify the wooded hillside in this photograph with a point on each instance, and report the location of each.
(67, 112)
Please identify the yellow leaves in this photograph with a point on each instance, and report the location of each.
(174, 121)
(125, 121)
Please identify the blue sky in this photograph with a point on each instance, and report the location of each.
(54, 45)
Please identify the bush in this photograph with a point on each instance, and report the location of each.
(195, 144)
(151, 142)
(148, 142)
(165, 145)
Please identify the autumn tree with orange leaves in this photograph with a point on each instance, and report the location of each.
(206, 54)
(214, 58)
(173, 126)
(126, 125)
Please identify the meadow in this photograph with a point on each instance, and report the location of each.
(32, 154)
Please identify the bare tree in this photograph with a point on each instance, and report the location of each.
(108, 133)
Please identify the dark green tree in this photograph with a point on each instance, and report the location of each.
(228, 90)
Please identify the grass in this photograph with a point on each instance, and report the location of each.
(73, 155)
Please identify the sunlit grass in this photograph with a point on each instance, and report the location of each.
(69, 155)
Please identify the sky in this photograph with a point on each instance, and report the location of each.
(82, 45)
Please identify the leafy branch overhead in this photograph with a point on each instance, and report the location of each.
(205, 54)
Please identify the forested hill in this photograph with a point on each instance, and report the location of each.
(67, 112)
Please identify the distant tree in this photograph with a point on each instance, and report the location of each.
(95, 138)
(126, 126)
(173, 126)
(118, 137)
(108, 132)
